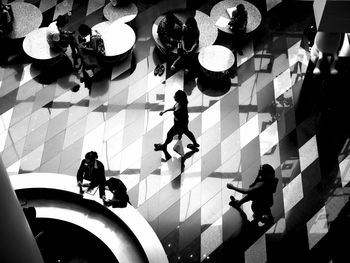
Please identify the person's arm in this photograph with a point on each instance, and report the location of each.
(102, 181)
(80, 173)
(243, 190)
(162, 112)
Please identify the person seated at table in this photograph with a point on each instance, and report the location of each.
(91, 48)
(169, 31)
(93, 171)
(119, 2)
(6, 19)
(238, 26)
(59, 39)
(120, 197)
(260, 193)
(189, 43)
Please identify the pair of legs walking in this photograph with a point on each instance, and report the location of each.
(176, 130)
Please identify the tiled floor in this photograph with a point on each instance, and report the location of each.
(272, 111)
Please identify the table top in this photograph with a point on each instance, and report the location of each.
(35, 45)
(207, 30)
(118, 37)
(220, 10)
(216, 58)
(125, 13)
(27, 17)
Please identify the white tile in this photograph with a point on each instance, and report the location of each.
(292, 193)
(308, 153)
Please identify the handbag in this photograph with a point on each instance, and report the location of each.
(179, 148)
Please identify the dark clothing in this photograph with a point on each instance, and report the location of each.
(6, 19)
(95, 174)
(169, 32)
(191, 38)
(262, 197)
(238, 23)
(120, 197)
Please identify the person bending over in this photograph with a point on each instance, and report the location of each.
(93, 171)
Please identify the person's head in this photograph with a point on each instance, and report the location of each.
(84, 30)
(91, 157)
(240, 8)
(266, 171)
(61, 21)
(191, 23)
(170, 18)
(181, 97)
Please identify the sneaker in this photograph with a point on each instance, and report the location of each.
(193, 146)
(156, 70)
(161, 70)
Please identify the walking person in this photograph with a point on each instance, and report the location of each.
(260, 193)
(180, 124)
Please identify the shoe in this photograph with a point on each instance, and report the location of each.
(161, 70)
(333, 71)
(158, 147)
(317, 71)
(75, 88)
(193, 146)
(156, 70)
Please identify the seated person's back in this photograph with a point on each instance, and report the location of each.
(57, 38)
(239, 19)
(169, 31)
(191, 35)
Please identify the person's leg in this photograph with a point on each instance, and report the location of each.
(190, 135)
(171, 133)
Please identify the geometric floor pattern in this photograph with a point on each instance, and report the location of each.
(252, 120)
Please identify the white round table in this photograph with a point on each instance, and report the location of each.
(27, 17)
(118, 38)
(219, 11)
(216, 60)
(124, 14)
(35, 45)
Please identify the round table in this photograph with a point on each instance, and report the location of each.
(118, 38)
(35, 45)
(124, 14)
(216, 60)
(27, 17)
(220, 10)
(207, 31)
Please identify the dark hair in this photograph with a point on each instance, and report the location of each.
(240, 8)
(84, 30)
(267, 171)
(91, 155)
(181, 97)
(62, 20)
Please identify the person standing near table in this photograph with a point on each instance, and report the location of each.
(92, 170)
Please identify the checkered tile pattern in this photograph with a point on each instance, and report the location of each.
(48, 128)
